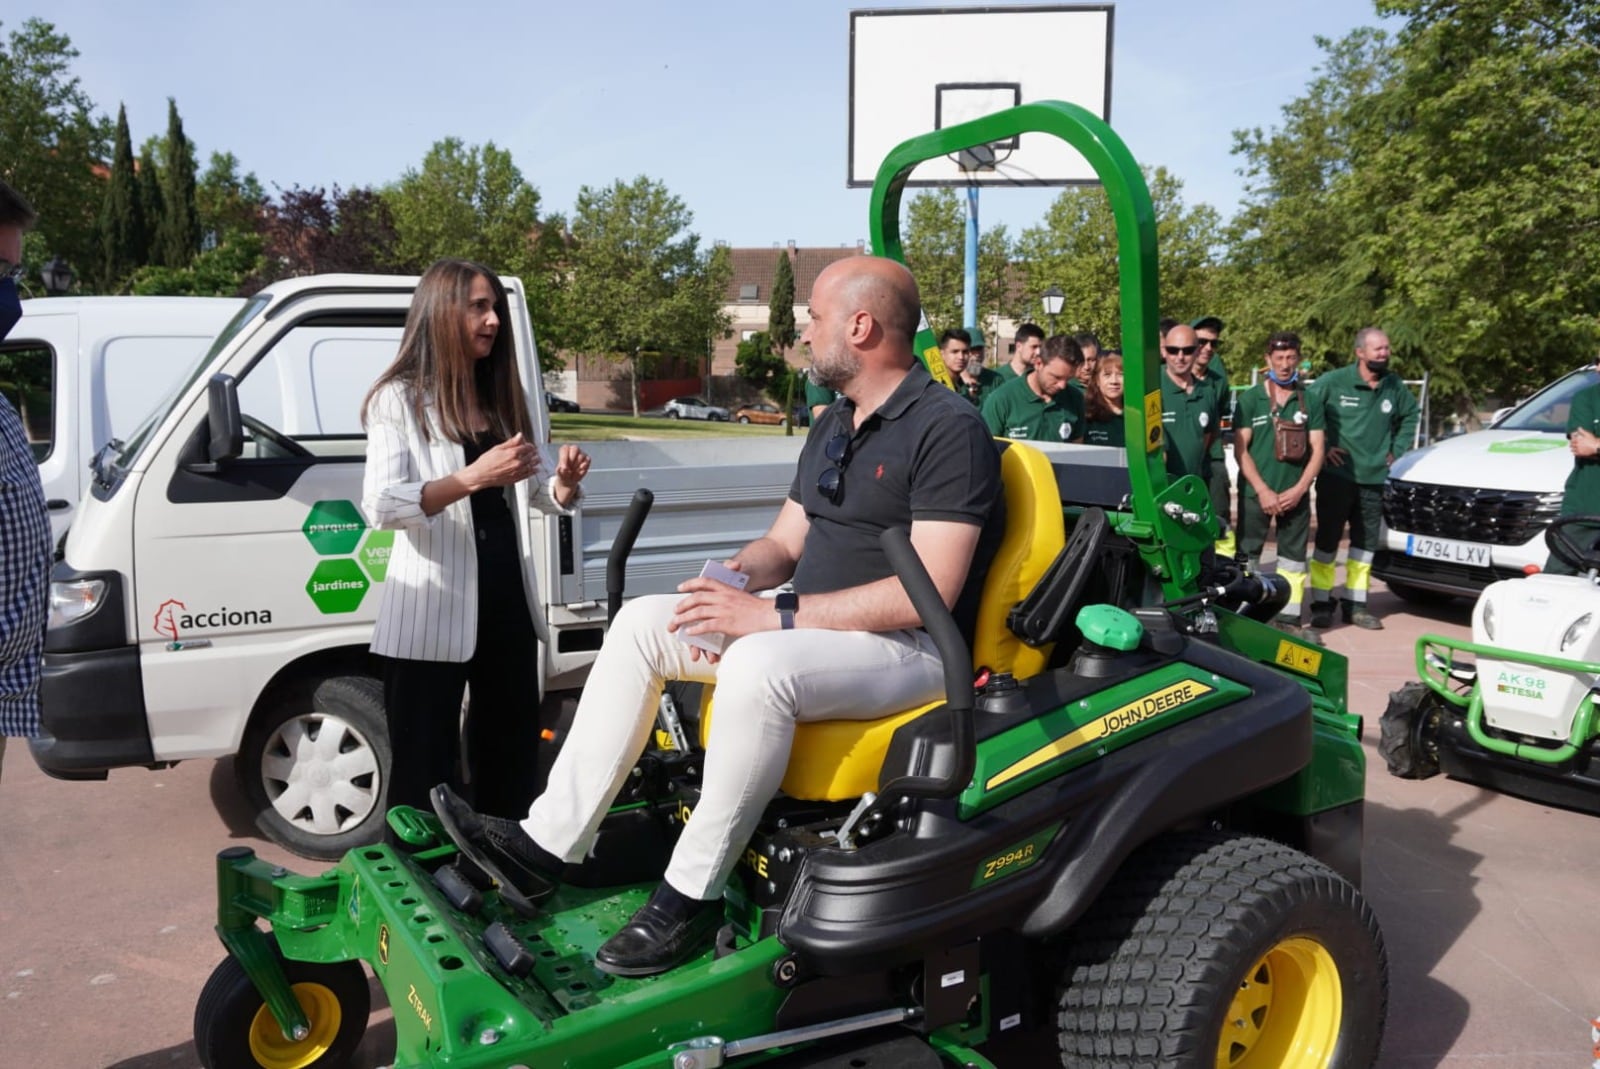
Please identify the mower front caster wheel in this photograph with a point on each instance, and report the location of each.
(233, 1029)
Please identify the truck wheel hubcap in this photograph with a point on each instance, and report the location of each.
(320, 774)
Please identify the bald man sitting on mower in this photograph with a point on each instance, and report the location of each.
(822, 631)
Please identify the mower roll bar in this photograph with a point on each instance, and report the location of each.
(957, 661)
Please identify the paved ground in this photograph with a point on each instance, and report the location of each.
(1490, 905)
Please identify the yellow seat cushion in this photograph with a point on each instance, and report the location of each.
(833, 760)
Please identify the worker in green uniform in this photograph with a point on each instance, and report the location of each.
(1103, 421)
(1213, 376)
(1581, 496)
(1188, 409)
(1370, 418)
(1277, 467)
(1040, 406)
(968, 378)
(1025, 349)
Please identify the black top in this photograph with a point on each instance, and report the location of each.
(496, 531)
(923, 455)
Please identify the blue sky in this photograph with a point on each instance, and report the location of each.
(741, 109)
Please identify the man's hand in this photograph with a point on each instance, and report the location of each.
(1337, 455)
(713, 606)
(1288, 499)
(1584, 444)
(1270, 502)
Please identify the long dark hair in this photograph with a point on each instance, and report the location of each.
(1095, 405)
(438, 369)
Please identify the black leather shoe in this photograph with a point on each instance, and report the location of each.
(1322, 614)
(657, 937)
(522, 872)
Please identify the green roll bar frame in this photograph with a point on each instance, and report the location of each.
(1172, 520)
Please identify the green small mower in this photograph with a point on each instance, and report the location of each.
(1134, 822)
(1514, 709)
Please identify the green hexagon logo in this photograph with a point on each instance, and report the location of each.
(337, 585)
(374, 554)
(334, 527)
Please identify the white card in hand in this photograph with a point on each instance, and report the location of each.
(713, 641)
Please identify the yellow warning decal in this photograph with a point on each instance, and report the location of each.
(1298, 658)
(1119, 719)
(936, 368)
(1152, 421)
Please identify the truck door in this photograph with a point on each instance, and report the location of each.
(256, 564)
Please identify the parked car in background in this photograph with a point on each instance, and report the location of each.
(760, 412)
(1471, 509)
(559, 404)
(694, 408)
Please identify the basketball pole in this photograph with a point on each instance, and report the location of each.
(969, 302)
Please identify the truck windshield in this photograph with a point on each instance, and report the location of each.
(114, 460)
(1547, 410)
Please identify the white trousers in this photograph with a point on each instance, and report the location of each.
(765, 683)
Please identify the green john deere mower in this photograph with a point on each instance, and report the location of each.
(1134, 823)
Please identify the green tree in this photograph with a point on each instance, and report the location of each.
(473, 202)
(226, 202)
(640, 283)
(1075, 247)
(935, 243)
(151, 205)
(780, 309)
(180, 222)
(123, 237)
(51, 143)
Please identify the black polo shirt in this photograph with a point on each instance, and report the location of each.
(923, 455)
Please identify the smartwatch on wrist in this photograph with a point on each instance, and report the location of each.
(787, 603)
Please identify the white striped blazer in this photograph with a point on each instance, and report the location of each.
(429, 610)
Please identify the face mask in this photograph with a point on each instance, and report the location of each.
(1378, 366)
(10, 307)
(1293, 375)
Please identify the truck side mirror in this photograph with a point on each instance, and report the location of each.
(227, 429)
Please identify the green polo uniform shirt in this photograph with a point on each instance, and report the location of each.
(1005, 373)
(1582, 496)
(988, 382)
(1105, 432)
(1015, 411)
(1255, 414)
(1370, 422)
(1186, 416)
(1217, 382)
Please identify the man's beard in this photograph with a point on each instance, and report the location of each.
(833, 367)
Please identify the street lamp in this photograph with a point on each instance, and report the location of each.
(57, 276)
(1053, 300)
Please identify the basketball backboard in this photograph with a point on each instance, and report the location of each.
(913, 70)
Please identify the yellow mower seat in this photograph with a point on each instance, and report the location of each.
(833, 760)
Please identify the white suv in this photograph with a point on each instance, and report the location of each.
(694, 408)
(1470, 510)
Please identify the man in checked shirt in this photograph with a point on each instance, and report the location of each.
(24, 523)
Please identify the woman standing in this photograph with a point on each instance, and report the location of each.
(1102, 403)
(454, 465)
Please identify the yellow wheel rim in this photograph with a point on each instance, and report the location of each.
(273, 1050)
(1286, 1012)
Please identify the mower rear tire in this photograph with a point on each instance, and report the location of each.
(1224, 951)
(233, 1028)
(1408, 732)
